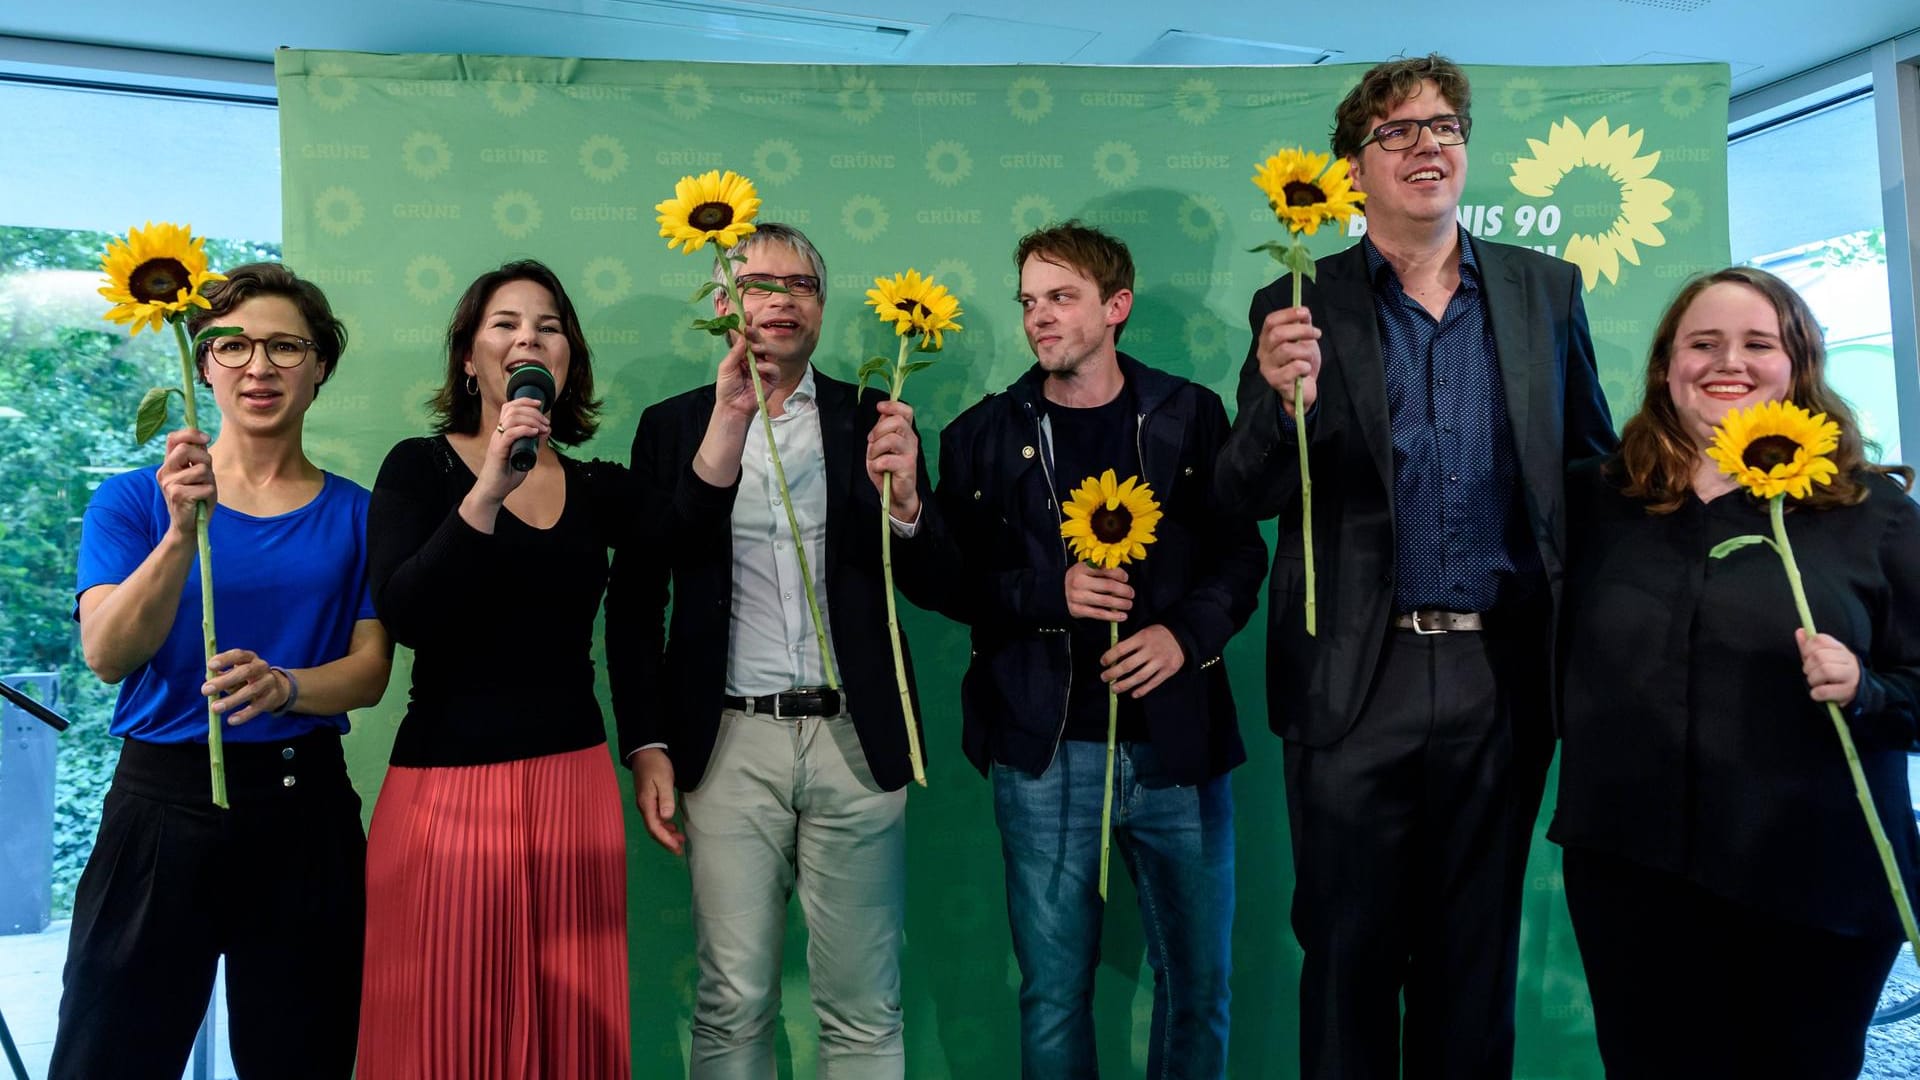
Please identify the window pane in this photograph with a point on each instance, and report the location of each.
(83, 166)
(1805, 204)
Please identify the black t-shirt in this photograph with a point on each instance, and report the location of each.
(1087, 442)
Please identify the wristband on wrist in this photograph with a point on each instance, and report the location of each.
(293, 690)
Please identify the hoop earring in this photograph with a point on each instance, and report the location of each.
(473, 386)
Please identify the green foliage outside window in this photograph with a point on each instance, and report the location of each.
(69, 382)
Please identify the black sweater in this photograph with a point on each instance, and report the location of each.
(1690, 743)
(501, 625)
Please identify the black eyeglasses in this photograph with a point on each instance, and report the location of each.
(236, 350)
(795, 284)
(1448, 130)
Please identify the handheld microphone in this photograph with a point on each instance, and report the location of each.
(536, 382)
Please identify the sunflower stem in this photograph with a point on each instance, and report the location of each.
(216, 748)
(1106, 798)
(1306, 484)
(779, 471)
(886, 569)
(1860, 790)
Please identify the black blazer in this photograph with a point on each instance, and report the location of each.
(1317, 686)
(668, 682)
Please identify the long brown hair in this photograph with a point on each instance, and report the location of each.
(1658, 454)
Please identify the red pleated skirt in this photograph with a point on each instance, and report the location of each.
(497, 923)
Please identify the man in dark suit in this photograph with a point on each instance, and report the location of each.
(787, 786)
(1446, 382)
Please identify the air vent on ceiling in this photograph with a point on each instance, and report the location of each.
(1183, 48)
(736, 19)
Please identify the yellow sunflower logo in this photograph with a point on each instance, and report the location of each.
(1200, 217)
(708, 207)
(516, 213)
(338, 211)
(1683, 95)
(1613, 155)
(1205, 334)
(1522, 99)
(1305, 191)
(602, 158)
(607, 281)
(1196, 101)
(1776, 448)
(1108, 522)
(865, 218)
(861, 100)
(915, 305)
(155, 274)
(425, 155)
(1032, 212)
(1687, 211)
(776, 161)
(428, 278)
(509, 92)
(1028, 99)
(329, 87)
(686, 96)
(948, 163)
(1115, 163)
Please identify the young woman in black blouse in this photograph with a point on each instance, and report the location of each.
(1732, 915)
(496, 863)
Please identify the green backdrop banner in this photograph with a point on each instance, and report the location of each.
(406, 176)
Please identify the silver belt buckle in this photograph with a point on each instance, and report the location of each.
(777, 715)
(1423, 631)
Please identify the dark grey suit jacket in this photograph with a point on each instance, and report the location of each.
(1317, 686)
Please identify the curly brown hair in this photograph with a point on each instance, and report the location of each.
(1385, 86)
(1658, 454)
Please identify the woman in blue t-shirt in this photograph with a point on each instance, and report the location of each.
(276, 883)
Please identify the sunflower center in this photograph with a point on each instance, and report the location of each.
(1301, 193)
(911, 307)
(158, 279)
(1767, 451)
(711, 216)
(1110, 526)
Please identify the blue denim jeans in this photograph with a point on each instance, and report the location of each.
(1177, 843)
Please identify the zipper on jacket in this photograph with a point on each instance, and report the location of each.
(1046, 468)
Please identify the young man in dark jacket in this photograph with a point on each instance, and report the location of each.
(1036, 695)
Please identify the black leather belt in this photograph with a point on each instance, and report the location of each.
(1436, 621)
(789, 704)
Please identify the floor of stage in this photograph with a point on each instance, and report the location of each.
(30, 1001)
(30, 997)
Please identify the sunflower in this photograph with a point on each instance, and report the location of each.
(1613, 155)
(1776, 448)
(708, 207)
(155, 274)
(1305, 192)
(915, 304)
(1108, 523)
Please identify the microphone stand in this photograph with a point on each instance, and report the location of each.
(33, 708)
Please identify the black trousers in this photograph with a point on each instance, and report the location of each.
(277, 884)
(1410, 840)
(1686, 984)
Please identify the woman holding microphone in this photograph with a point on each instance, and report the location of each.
(496, 931)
